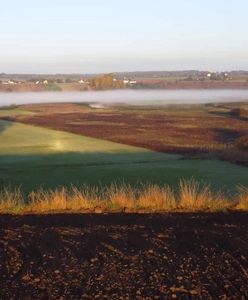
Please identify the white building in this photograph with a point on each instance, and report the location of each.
(11, 82)
(132, 81)
(129, 81)
(126, 81)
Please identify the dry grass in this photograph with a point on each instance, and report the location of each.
(194, 196)
(189, 196)
(63, 200)
(242, 197)
(156, 198)
(11, 200)
(121, 197)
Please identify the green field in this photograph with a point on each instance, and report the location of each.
(33, 157)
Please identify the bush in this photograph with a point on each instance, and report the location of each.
(242, 143)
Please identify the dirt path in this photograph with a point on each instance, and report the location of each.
(124, 256)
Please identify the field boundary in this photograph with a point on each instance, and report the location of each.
(188, 196)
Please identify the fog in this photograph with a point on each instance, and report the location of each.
(135, 97)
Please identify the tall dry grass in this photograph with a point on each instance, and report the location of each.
(63, 199)
(156, 198)
(121, 197)
(189, 195)
(11, 200)
(196, 196)
(242, 198)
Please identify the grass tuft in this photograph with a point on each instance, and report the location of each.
(194, 196)
(121, 197)
(11, 200)
(157, 198)
(242, 198)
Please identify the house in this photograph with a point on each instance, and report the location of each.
(132, 82)
(81, 81)
(11, 82)
(126, 81)
(45, 82)
(97, 105)
(129, 81)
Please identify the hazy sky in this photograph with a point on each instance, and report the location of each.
(80, 36)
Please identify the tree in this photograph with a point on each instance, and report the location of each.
(105, 82)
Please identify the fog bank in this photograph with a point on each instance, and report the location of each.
(135, 97)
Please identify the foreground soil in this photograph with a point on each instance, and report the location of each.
(124, 256)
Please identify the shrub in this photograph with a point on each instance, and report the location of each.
(242, 143)
(242, 198)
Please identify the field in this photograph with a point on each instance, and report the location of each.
(33, 157)
(124, 256)
(63, 144)
(187, 129)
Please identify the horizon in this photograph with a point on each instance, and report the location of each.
(93, 38)
(127, 72)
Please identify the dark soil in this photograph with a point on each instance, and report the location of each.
(124, 256)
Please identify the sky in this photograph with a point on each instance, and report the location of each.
(94, 36)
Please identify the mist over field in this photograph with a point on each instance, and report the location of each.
(136, 97)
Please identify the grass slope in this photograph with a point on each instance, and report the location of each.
(33, 156)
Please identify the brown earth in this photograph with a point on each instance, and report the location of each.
(124, 256)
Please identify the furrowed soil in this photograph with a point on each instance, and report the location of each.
(124, 256)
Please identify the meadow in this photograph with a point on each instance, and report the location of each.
(32, 157)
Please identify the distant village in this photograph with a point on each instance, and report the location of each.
(210, 76)
(129, 82)
(138, 80)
